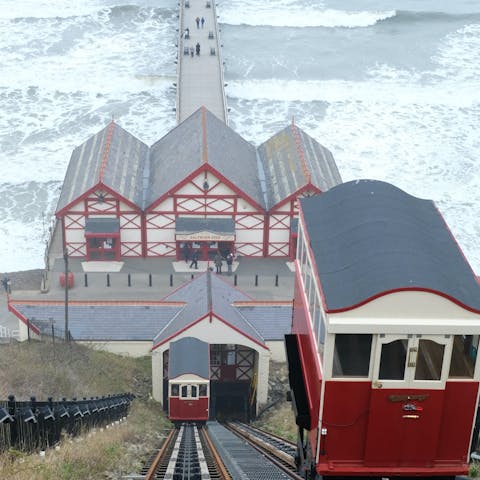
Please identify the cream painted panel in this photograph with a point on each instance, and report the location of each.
(128, 235)
(188, 377)
(164, 206)
(277, 350)
(279, 236)
(75, 236)
(77, 207)
(160, 235)
(157, 374)
(252, 236)
(283, 208)
(245, 207)
(411, 305)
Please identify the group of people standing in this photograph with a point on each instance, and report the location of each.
(198, 21)
(218, 260)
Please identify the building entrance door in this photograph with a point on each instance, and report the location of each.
(207, 249)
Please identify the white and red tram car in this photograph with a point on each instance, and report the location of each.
(189, 380)
(385, 331)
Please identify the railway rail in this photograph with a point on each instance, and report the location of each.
(276, 449)
(187, 453)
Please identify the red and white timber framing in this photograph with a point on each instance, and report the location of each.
(258, 233)
(102, 202)
(192, 198)
(280, 240)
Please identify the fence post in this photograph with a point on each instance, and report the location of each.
(276, 280)
(129, 280)
(149, 279)
(171, 279)
(108, 279)
(85, 276)
(235, 280)
(13, 425)
(256, 279)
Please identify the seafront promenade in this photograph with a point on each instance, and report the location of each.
(200, 77)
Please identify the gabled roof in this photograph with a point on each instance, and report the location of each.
(370, 238)
(189, 355)
(202, 139)
(207, 293)
(293, 159)
(112, 157)
(108, 322)
(271, 321)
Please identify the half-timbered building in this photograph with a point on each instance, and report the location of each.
(201, 187)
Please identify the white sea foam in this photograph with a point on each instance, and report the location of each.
(417, 130)
(288, 14)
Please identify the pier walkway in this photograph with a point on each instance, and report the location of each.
(200, 78)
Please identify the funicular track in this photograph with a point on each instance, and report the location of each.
(187, 453)
(276, 449)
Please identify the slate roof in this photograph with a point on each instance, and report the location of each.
(207, 292)
(101, 322)
(271, 321)
(291, 160)
(112, 156)
(369, 238)
(203, 138)
(189, 355)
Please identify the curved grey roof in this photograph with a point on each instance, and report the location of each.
(189, 355)
(370, 238)
(199, 140)
(112, 157)
(291, 160)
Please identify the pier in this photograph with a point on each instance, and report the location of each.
(200, 79)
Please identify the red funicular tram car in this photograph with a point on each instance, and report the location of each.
(189, 380)
(385, 332)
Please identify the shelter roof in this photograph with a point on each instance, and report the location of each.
(189, 355)
(207, 293)
(293, 159)
(370, 238)
(203, 139)
(273, 322)
(112, 157)
(103, 322)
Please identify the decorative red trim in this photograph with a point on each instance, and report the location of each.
(106, 151)
(300, 152)
(91, 191)
(404, 289)
(295, 195)
(22, 318)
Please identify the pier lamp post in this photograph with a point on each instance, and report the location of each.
(65, 258)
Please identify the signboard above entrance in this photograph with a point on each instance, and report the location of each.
(205, 229)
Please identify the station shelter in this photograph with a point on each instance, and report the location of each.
(202, 187)
(243, 334)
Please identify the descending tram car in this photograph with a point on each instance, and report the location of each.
(383, 352)
(188, 380)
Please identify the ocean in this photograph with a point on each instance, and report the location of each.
(391, 87)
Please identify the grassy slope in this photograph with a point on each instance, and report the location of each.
(68, 371)
(44, 370)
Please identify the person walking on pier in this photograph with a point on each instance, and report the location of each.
(203, 21)
(192, 52)
(197, 48)
(197, 21)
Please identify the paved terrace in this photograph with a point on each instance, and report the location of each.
(200, 78)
